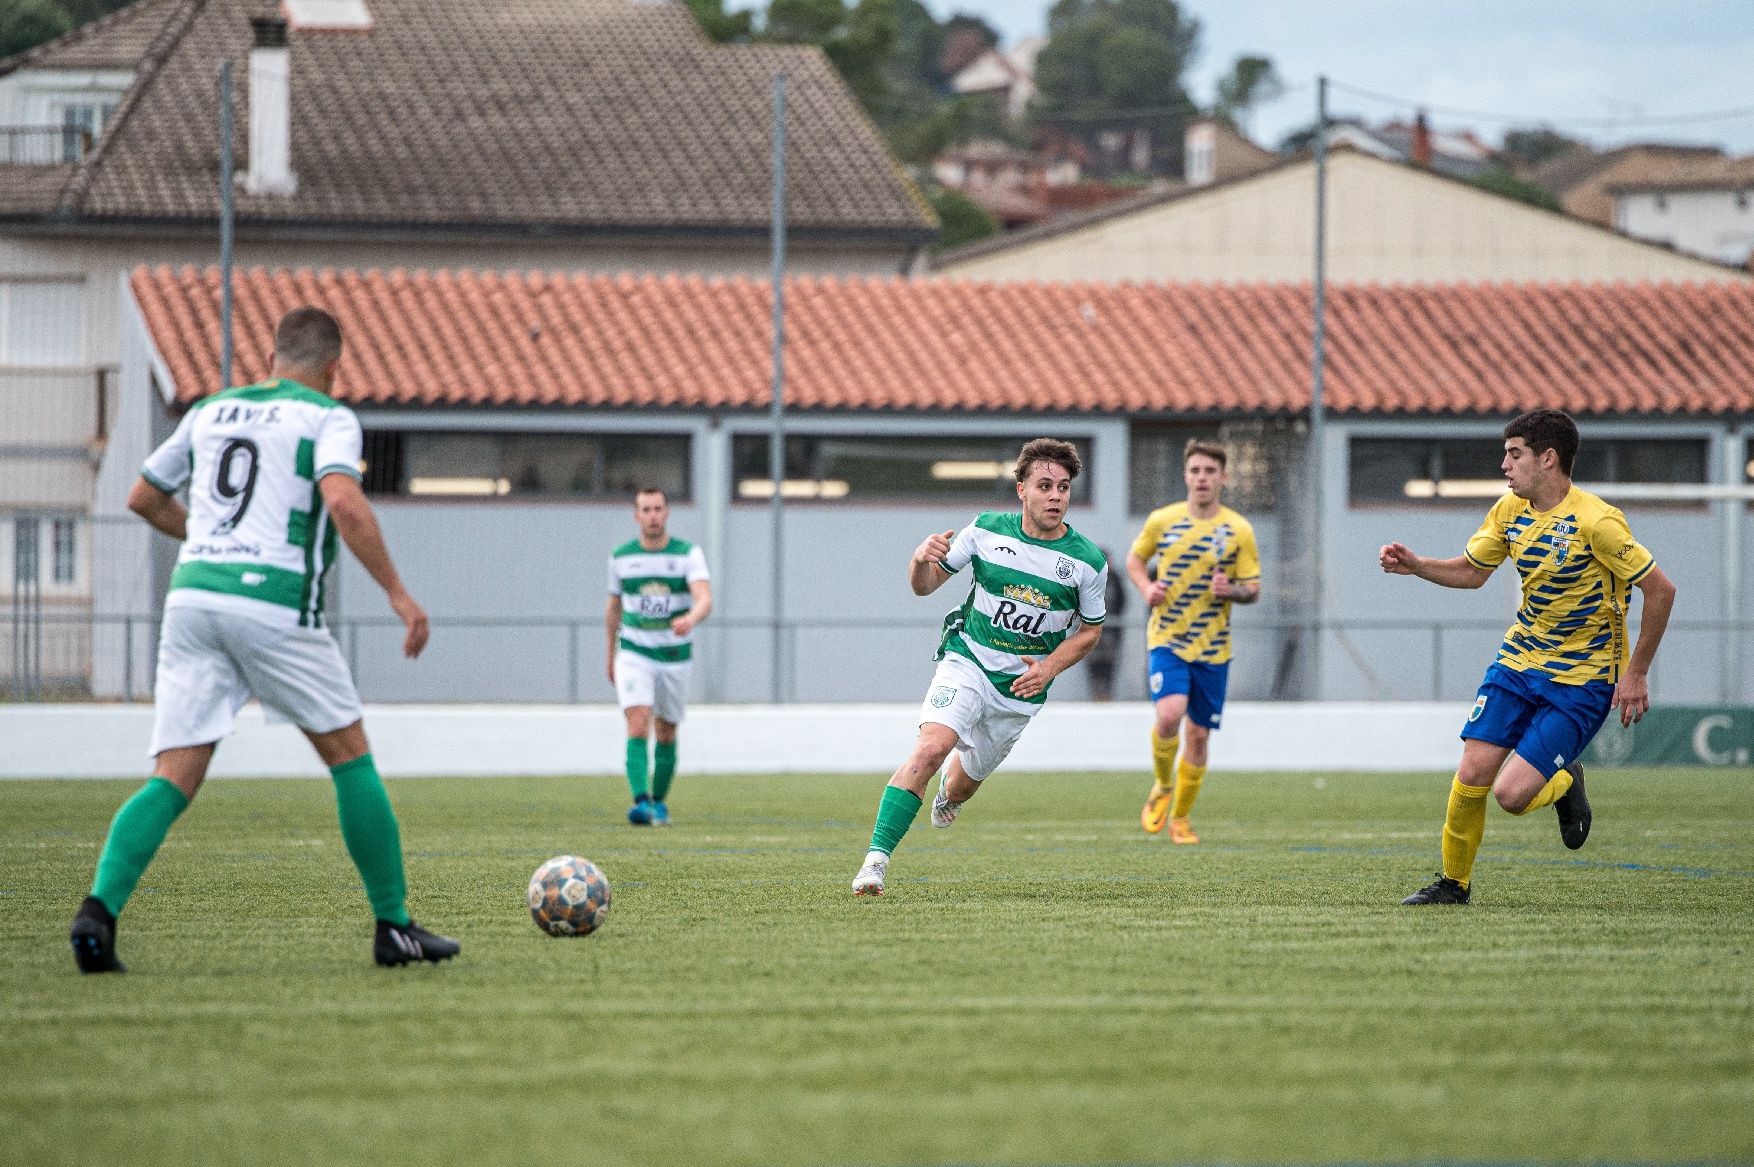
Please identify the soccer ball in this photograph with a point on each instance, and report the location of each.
(569, 897)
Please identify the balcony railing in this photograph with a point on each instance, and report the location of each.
(43, 145)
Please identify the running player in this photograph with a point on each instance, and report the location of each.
(273, 476)
(659, 592)
(1563, 664)
(1034, 576)
(1206, 561)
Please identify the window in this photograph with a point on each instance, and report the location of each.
(24, 549)
(491, 465)
(1641, 460)
(1255, 451)
(42, 323)
(884, 467)
(65, 539)
(1421, 470)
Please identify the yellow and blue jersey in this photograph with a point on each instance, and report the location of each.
(1578, 563)
(1191, 621)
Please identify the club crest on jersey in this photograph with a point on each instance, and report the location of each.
(1479, 708)
(1064, 568)
(943, 695)
(1024, 594)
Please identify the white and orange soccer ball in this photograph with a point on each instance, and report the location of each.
(569, 896)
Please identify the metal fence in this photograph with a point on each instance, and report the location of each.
(57, 655)
(43, 145)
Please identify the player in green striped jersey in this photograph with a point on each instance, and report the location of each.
(1035, 609)
(659, 592)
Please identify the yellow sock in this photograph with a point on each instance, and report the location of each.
(1464, 825)
(1163, 761)
(1187, 788)
(1548, 794)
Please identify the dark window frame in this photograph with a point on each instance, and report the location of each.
(805, 458)
(391, 461)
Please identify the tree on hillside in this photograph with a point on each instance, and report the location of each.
(1501, 181)
(858, 39)
(720, 25)
(1533, 146)
(1115, 67)
(1250, 82)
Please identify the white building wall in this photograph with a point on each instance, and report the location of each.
(1712, 224)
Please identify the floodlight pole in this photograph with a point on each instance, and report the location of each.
(1317, 406)
(776, 439)
(226, 217)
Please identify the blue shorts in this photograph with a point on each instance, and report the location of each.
(1546, 723)
(1204, 684)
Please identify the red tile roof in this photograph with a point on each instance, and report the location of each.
(569, 341)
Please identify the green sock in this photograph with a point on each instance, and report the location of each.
(895, 814)
(636, 766)
(368, 827)
(663, 768)
(135, 833)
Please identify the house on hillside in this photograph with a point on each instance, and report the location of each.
(1704, 207)
(1583, 180)
(1387, 221)
(570, 135)
(906, 400)
(1007, 74)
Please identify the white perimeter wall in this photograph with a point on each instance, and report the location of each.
(110, 741)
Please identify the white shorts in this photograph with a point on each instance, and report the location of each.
(962, 698)
(210, 662)
(640, 680)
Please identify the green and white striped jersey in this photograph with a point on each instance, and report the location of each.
(1025, 596)
(259, 539)
(653, 588)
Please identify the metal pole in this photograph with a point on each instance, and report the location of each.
(776, 441)
(1317, 415)
(226, 215)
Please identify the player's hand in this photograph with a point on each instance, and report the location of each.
(1398, 559)
(612, 668)
(1221, 584)
(1632, 697)
(1033, 680)
(935, 549)
(1155, 593)
(682, 625)
(414, 619)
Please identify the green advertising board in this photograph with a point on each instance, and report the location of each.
(1688, 735)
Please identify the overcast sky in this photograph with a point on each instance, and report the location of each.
(1592, 66)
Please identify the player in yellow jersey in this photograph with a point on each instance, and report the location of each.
(1206, 560)
(1563, 664)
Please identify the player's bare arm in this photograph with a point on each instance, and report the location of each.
(702, 592)
(160, 510)
(1632, 694)
(612, 631)
(1237, 593)
(926, 572)
(1041, 673)
(360, 531)
(1152, 590)
(1399, 559)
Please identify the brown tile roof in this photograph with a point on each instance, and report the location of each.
(565, 341)
(1692, 174)
(522, 115)
(116, 41)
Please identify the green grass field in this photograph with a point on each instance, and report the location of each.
(1042, 984)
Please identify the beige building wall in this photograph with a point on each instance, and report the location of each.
(1386, 222)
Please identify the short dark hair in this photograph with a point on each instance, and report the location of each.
(1207, 447)
(1063, 454)
(307, 336)
(657, 490)
(1547, 429)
